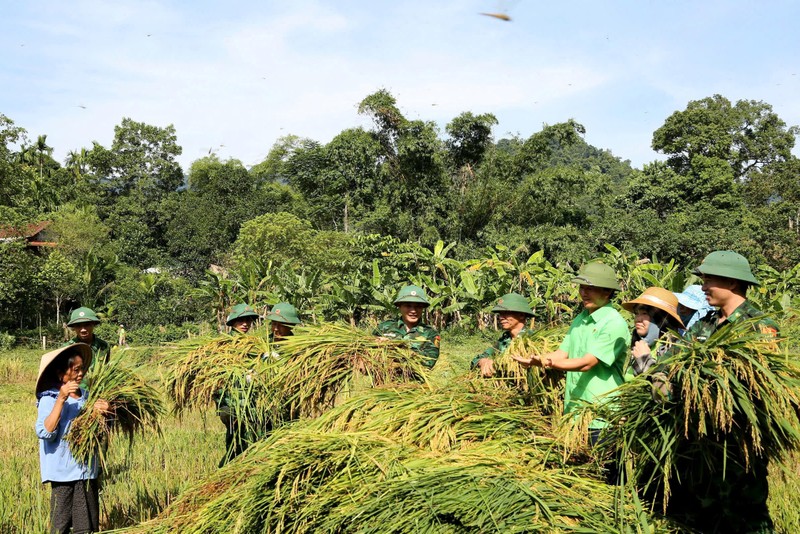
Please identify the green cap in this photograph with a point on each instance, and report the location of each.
(283, 312)
(412, 294)
(240, 311)
(513, 302)
(728, 264)
(82, 315)
(598, 275)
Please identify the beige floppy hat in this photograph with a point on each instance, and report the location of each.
(659, 298)
(47, 359)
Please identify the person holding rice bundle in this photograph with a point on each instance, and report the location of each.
(513, 313)
(282, 317)
(734, 500)
(74, 497)
(412, 301)
(655, 313)
(240, 320)
(594, 351)
(83, 321)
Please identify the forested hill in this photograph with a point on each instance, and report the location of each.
(729, 180)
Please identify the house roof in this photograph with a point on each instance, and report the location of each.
(26, 231)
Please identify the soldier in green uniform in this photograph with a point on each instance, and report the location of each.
(240, 320)
(513, 312)
(595, 348)
(83, 321)
(736, 502)
(412, 301)
(283, 317)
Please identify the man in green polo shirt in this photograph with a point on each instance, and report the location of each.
(595, 348)
(412, 301)
(83, 321)
(513, 313)
(737, 501)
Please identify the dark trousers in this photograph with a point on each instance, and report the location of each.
(74, 505)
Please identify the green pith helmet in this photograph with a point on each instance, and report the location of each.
(241, 311)
(82, 315)
(598, 275)
(728, 264)
(513, 302)
(412, 294)
(283, 312)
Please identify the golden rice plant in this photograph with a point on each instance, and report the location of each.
(544, 387)
(331, 362)
(233, 370)
(134, 406)
(439, 419)
(735, 399)
(306, 481)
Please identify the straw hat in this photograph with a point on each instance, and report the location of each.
(47, 359)
(659, 298)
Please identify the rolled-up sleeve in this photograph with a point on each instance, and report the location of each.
(46, 405)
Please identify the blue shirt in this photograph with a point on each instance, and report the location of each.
(55, 459)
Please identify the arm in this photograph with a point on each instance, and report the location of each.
(488, 354)
(582, 364)
(50, 409)
(556, 355)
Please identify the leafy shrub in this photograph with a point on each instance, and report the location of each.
(7, 341)
(153, 335)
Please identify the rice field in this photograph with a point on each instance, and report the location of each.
(149, 476)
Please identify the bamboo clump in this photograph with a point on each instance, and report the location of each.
(134, 406)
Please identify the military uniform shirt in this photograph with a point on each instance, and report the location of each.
(498, 348)
(424, 339)
(702, 329)
(604, 334)
(737, 503)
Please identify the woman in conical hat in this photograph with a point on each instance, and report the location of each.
(74, 499)
(655, 314)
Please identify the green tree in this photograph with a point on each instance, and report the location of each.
(470, 138)
(141, 158)
(748, 135)
(286, 240)
(59, 279)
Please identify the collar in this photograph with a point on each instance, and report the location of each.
(599, 315)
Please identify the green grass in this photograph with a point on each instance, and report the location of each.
(145, 479)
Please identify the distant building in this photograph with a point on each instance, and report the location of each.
(35, 235)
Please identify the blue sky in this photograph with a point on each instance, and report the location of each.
(233, 77)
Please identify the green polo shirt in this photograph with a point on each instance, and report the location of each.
(603, 334)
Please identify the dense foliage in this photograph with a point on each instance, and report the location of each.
(336, 227)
